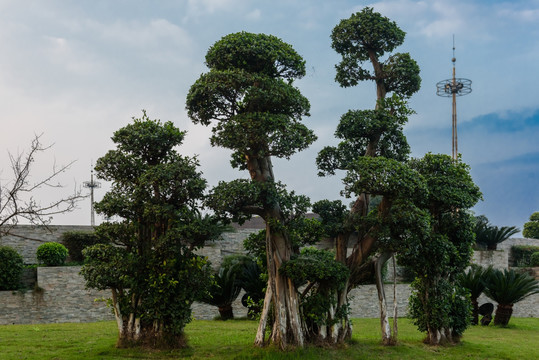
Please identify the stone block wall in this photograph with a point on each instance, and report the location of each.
(27, 238)
(59, 297)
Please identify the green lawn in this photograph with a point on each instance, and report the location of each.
(233, 340)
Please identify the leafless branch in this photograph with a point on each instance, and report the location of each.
(15, 205)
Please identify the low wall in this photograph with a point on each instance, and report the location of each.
(62, 298)
(59, 297)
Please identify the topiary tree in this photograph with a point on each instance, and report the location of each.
(507, 288)
(52, 254)
(531, 228)
(249, 99)
(11, 266)
(372, 148)
(151, 267)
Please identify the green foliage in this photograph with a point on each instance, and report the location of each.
(534, 259)
(11, 266)
(152, 269)
(52, 254)
(521, 254)
(360, 128)
(313, 265)
(474, 280)
(489, 236)
(508, 287)
(225, 288)
(531, 228)
(76, 241)
(367, 35)
(440, 250)
(249, 92)
(323, 276)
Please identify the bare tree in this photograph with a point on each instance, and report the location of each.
(17, 199)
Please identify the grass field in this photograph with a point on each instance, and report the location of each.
(233, 340)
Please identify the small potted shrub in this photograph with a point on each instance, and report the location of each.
(52, 254)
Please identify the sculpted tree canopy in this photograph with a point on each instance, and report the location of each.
(368, 36)
(372, 151)
(248, 98)
(150, 265)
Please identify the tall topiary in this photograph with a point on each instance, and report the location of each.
(249, 99)
(151, 267)
(52, 254)
(11, 265)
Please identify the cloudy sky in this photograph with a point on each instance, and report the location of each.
(76, 71)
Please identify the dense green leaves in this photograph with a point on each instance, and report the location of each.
(367, 35)
(52, 254)
(381, 129)
(531, 228)
(249, 92)
(382, 176)
(11, 265)
(256, 53)
(366, 31)
(151, 268)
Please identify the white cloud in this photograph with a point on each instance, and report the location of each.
(254, 15)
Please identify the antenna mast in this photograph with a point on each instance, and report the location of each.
(452, 88)
(92, 185)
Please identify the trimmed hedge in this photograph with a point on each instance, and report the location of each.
(11, 266)
(76, 241)
(522, 254)
(535, 259)
(52, 254)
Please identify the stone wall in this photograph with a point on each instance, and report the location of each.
(61, 296)
(27, 238)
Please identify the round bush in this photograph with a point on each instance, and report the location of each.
(534, 259)
(52, 254)
(11, 265)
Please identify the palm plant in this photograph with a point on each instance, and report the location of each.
(507, 288)
(224, 291)
(474, 281)
(250, 279)
(489, 235)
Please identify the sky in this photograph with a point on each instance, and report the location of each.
(76, 71)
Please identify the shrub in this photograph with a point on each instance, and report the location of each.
(11, 265)
(76, 241)
(52, 254)
(522, 254)
(534, 259)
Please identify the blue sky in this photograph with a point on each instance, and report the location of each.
(76, 71)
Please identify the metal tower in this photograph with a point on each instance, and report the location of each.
(92, 185)
(452, 88)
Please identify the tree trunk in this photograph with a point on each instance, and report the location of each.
(226, 312)
(475, 312)
(287, 327)
(384, 317)
(503, 314)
